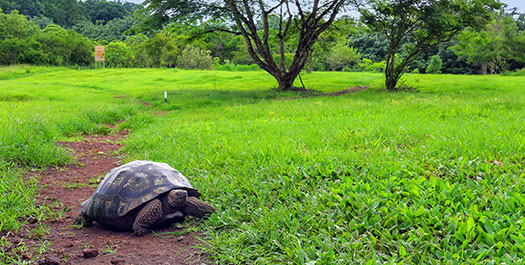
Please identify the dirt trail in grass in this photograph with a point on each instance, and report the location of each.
(71, 185)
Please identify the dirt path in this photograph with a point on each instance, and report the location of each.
(67, 187)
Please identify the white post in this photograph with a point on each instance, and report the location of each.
(165, 95)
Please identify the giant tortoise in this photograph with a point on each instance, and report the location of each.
(140, 195)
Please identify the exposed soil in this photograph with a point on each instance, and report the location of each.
(308, 93)
(64, 190)
(346, 91)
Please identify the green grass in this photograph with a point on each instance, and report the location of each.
(434, 176)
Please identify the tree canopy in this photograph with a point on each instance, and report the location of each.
(416, 26)
(259, 22)
(158, 35)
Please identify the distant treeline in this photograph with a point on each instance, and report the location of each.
(64, 33)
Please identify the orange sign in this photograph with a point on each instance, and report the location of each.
(99, 53)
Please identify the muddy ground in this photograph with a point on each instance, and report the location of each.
(63, 191)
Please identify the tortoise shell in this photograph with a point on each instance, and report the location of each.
(131, 185)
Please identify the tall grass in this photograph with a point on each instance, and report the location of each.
(433, 176)
(36, 111)
(374, 177)
(18, 197)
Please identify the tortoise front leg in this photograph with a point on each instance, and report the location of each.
(150, 214)
(196, 207)
(83, 220)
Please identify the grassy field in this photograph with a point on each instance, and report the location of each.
(434, 176)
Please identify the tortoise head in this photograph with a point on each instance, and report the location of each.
(177, 198)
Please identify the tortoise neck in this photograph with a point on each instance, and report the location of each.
(167, 208)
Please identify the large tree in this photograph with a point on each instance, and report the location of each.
(495, 48)
(416, 26)
(258, 21)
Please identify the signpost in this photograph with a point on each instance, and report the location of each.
(100, 55)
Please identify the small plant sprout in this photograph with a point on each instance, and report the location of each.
(109, 250)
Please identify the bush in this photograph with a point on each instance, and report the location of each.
(118, 54)
(230, 66)
(340, 56)
(517, 73)
(435, 65)
(65, 47)
(195, 58)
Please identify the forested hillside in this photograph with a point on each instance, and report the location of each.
(64, 33)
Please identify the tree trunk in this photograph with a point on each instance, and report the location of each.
(484, 67)
(285, 81)
(390, 81)
(310, 26)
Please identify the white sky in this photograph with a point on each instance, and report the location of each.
(520, 4)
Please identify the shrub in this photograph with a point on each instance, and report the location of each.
(118, 54)
(340, 56)
(193, 57)
(435, 65)
(517, 73)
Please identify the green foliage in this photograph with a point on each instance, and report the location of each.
(432, 177)
(518, 73)
(104, 11)
(342, 29)
(367, 176)
(194, 58)
(162, 49)
(115, 29)
(118, 54)
(17, 199)
(23, 42)
(372, 46)
(493, 48)
(17, 40)
(423, 25)
(368, 65)
(230, 66)
(65, 47)
(435, 65)
(341, 55)
(42, 22)
(62, 12)
(138, 45)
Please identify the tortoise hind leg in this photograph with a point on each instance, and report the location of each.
(196, 207)
(149, 215)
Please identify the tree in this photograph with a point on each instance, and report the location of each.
(118, 54)
(194, 58)
(257, 22)
(341, 29)
(422, 24)
(373, 46)
(435, 65)
(17, 40)
(137, 44)
(341, 55)
(56, 42)
(162, 49)
(115, 29)
(494, 48)
(62, 12)
(105, 11)
(65, 47)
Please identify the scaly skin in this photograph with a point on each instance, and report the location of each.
(196, 207)
(150, 214)
(155, 212)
